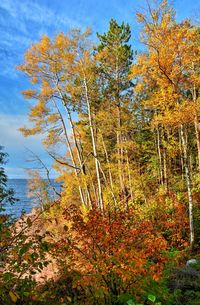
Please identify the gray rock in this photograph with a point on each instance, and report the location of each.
(191, 262)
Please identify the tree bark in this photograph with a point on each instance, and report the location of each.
(71, 153)
(196, 123)
(100, 197)
(197, 132)
(160, 157)
(189, 186)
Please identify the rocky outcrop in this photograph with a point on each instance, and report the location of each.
(186, 283)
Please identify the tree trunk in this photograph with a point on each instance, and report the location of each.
(100, 197)
(160, 157)
(109, 172)
(129, 176)
(189, 186)
(71, 153)
(119, 151)
(196, 123)
(165, 170)
(197, 132)
(181, 156)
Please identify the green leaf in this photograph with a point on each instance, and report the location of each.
(158, 303)
(24, 249)
(45, 246)
(124, 297)
(7, 276)
(26, 293)
(130, 302)
(151, 297)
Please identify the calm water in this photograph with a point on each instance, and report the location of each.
(24, 204)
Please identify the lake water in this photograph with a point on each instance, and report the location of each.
(24, 204)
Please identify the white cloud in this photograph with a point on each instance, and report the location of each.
(32, 11)
(11, 137)
(15, 172)
(15, 144)
(22, 173)
(23, 22)
(21, 150)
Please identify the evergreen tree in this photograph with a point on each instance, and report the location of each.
(114, 58)
(6, 194)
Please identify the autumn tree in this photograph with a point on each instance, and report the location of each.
(165, 73)
(68, 78)
(63, 68)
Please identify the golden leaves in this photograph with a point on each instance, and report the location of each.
(183, 113)
(39, 110)
(46, 90)
(168, 69)
(14, 296)
(29, 93)
(140, 17)
(30, 131)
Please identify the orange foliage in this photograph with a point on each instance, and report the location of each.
(116, 250)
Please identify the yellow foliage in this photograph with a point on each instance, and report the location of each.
(14, 296)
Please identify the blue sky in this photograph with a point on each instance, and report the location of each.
(23, 22)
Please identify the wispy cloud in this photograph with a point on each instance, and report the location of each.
(11, 137)
(21, 150)
(23, 22)
(31, 11)
(16, 145)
